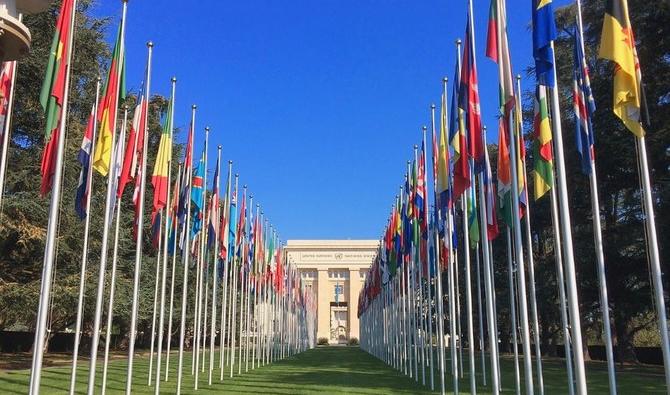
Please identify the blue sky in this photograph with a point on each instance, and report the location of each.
(318, 103)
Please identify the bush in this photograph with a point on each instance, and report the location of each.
(353, 341)
(322, 341)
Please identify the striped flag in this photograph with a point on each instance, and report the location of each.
(489, 195)
(584, 106)
(159, 178)
(133, 151)
(443, 159)
(53, 92)
(543, 166)
(115, 92)
(197, 196)
(461, 174)
(84, 158)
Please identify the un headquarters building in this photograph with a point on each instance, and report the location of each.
(335, 270)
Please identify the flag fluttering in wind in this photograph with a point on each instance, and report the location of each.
(543, 165)
(6, 75)
(159, 178)
(84, 158)
(443, 159)
(469, 101)
(53, 92)
(197, 196)
(461, 174)
(131, 158)
(115, 92)
(489, 194)
(584, 106)
(617, 44)
(544, 33)
(497, 49)
(504, 176)
(213, 215)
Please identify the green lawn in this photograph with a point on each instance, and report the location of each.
(326, 370)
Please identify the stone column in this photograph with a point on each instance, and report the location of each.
(355, 286)
(323, 309)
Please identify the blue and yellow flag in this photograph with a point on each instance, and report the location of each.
(544, 32)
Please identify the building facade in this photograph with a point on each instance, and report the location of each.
(335, 270)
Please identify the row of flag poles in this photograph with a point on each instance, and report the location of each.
(405, 303)
(257, 307)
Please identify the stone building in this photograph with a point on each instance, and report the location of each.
(335, 270)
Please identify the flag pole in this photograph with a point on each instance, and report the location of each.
(561, 291)
(531, 263)
(118, 150)
(87, 222)
(566, 235)
(166, 242)
(7, 124)
(52, 229)
(429, 304)
(226, 268)
(140, 232)
(513, 318)
(233, 287)
(155, 301)
(438, 264)
(172, 272)
(109, 212)
(416, 259)
(652, 248)
(186, 252)
(468, 293)
(199, 281)
(598, 239)
(488, 283)
(212, 331)
(519, 259)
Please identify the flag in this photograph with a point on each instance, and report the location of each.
(469, 101)
(133, 151)
(241, 225)
(497, 49)
(232, 225)
(584, 107)
(115, 92)
(186, 176)
(117, 162)
(473, 221)
(504, 174)
(84, 158)
(213, 216)
(489, 196)
(197, 196)
(544, 33)
(53, 93)
(173, 223)
(6, 75)
(543, 164)
(617, 44)
(443, 159)
(461, 173)
(159, 179)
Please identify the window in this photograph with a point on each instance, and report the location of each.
(308, 274)
(339, 274)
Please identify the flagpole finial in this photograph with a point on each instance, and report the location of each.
(458, 41)
(150, 44)
(193, 107)
(415, 147)
(518, 77)
(237, 175)
(484, 127)
(445, 79)
(207, 129)
(424, 128)
(230, 162)
(173, 79)
(432, 106)
(219, 147)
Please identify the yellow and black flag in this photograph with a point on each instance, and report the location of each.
(617, 44)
